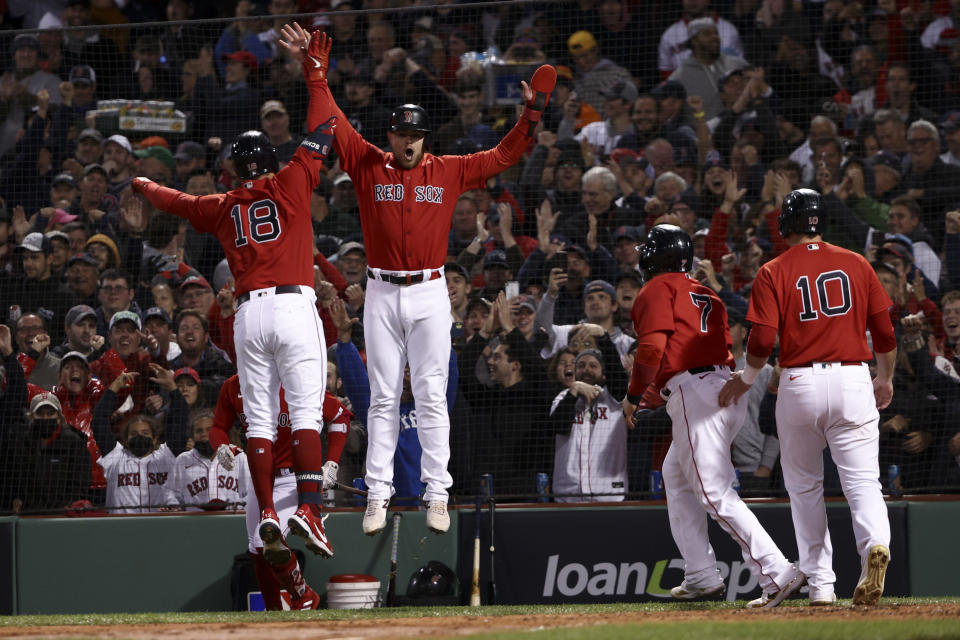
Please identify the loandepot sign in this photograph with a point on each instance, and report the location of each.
(632, 578)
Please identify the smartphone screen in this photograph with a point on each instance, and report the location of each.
(512, 289)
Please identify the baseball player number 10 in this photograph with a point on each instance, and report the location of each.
(809, 313)
(262, 213)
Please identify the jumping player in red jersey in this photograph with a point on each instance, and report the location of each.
(288, 576)
(406, 199)
(265, 230)
(683, 348)
(821, 299)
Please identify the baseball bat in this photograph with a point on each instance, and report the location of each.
(486, 487)
(475, 586)
(392, 586)
(348, 489)
(492, 585)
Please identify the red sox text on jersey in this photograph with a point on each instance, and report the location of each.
(133, 479)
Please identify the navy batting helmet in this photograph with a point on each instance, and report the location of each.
(409, 117)
(253, 155)
(668, 249)
(434, 579)
(802, 212)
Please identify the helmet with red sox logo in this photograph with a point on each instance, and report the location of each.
(668, 249)
(253, 155)
(409, 117)
(802, 212)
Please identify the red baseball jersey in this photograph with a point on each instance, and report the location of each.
(230, 407)
(692, 316)
(406, 215)
(264, 226)
(818, 296)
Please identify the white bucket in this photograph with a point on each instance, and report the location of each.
(353, 591)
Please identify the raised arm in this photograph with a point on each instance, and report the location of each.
(478, 167)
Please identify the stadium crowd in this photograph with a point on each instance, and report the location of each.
(119, 317)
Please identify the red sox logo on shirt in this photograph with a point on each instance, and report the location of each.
(395, 193)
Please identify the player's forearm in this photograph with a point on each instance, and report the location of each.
(169, 200)
(885, 365)
(507, 152)
(646, 364)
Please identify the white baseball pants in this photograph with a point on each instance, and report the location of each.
(404, 324)
(279, 340)
(698, 480)
(830, 405)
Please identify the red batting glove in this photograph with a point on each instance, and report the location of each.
(317, 60)
(139, 184)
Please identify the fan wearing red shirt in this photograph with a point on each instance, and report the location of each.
(273, 577)
(266, 232)
(683, 349)
(406, 199)
(821, 299)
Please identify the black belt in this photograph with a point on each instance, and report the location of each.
(707, 369)
(283, 288)
(410, 278)
(842, 363)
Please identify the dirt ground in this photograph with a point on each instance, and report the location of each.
(462, 626)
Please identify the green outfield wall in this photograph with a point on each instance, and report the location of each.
(184, 562)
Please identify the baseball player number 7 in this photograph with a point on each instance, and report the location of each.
(700, 300)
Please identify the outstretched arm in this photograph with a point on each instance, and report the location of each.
(536, 95)
(313, 52)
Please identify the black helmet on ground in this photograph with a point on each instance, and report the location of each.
(253, 155)
(802, 212)
(432, 580)
(668, 249)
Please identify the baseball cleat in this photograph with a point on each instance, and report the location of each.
(690, 593)
(375, 517)
(307, 523)
(870, 587)
(275, 549)
(438, 520)
(309, 600)
(770, 600)
(823, 601)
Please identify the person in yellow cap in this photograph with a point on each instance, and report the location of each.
(592, 73)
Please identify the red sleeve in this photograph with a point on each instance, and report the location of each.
(761, 340)
(932, 313)
(715, 246)
(203, 212)
(224, 415)
(221, 330)
(330, 333)
(881, 332)
(337, 418)
(646, 362)
(653, 309)
(763, 300)
(349, 145)
(27, 363)
(330, 272)
(477, 167)
(773, 227)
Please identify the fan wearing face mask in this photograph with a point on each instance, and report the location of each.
(138, 469)
(200, 481)
(59, 465)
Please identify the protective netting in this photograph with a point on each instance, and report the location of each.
(705, 114)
